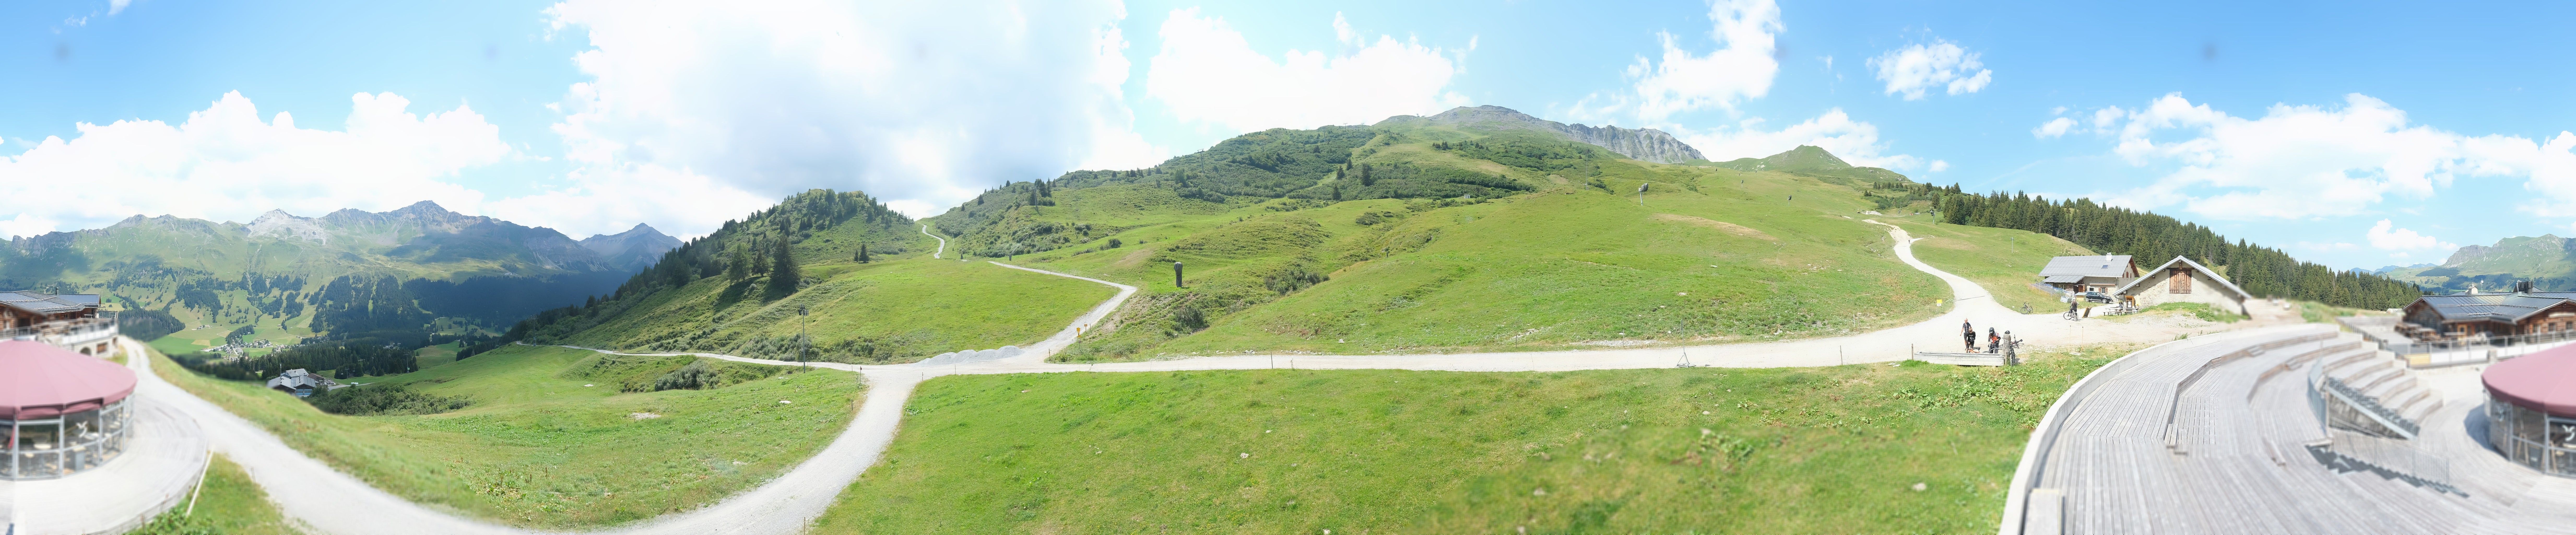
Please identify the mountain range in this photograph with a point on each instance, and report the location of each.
(2547, 260)
(476, 270)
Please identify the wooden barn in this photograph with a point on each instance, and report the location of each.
(2183, 281)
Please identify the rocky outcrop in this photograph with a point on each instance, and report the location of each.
(1645, 144)
(281, 225)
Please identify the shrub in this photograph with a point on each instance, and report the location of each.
(369, 401)
(694, 376)
(1113, 243)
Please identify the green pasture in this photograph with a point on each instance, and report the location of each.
(1709, 450)
(551, 443)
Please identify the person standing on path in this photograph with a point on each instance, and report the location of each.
(1968, 335)
(1994, 342)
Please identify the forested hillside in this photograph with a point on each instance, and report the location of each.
(825, 275)
(2154, 239)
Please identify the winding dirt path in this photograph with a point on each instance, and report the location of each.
(333, 502)
(943, 242)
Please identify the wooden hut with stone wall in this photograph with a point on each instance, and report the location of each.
(2183, 281)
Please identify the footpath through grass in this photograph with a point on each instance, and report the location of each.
(1709, 450)
(2004, 261)
(1710, 256)
(229, 503)
(540, 449)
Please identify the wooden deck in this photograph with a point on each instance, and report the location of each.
(2245, 453)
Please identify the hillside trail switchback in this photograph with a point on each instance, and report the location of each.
(329, 501)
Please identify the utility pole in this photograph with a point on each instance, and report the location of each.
(803, 343)
(1176, 275)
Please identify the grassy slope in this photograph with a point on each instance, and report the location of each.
(1816, 450)
(437, 355)
(535, 432)
(1573, 262)
(2004, 261)
(912, 308)
(230, 503)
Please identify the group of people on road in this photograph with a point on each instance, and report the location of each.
(1968, 335)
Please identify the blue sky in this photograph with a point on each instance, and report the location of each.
(2356, 135)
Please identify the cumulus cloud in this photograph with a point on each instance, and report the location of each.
(225, 163)
(1938, 166)
(922, 103)
(1741, 67)
(2053, 128)
(1854, 141)
(1916, 69)
(2385, 236)
(1206, 73)
(2313, 161)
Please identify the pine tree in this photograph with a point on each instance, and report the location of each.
(782, 265)
(863, 253)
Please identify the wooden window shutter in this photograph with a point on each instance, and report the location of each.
(2180, 282)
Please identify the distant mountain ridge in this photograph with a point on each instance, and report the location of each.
(433, 262)
(2547, 260)
(633, 250)
(1643, 144)
(1810, 159)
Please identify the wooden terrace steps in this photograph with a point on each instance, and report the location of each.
(2254, 459)
(2385, 381)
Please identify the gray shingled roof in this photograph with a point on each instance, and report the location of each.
(2087, 266)
(2509, 308)
(2213, 275)
(44, 303)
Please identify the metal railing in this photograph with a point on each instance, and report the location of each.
(2369, 407)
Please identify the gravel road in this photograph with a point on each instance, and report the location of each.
(331, 502)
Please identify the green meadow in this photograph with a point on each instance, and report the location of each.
(2004, 261)
(1915, 448)
(1711, 255)
(889, 311)
(551, 441)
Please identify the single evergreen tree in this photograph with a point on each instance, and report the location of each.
(782, 269)
(863, 253)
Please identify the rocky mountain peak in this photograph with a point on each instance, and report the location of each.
(1644, 144)
(636, 248)
(282, 225)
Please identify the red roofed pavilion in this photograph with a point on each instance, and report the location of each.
(61, 412)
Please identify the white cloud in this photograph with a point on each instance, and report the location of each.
(2310, 161)
(2105, 117)
(924, 103)
(1937, 166)
(1854, 141)
(1207, 73)
(225, 163)
(2053, 128)
(1742, 67)
(1918, 68)
(2384, 236)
